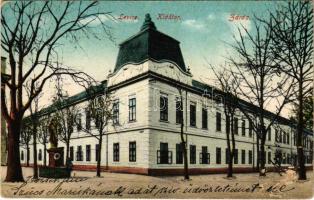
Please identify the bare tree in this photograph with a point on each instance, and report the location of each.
(101, 109)
(183, 135)
(34, 123)
(292, 38)
(227, 94)
(26, 137)
(31, 36)
(260, 83)
(64, 116)
(43, 134)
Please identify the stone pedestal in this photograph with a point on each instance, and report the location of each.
(56, 157)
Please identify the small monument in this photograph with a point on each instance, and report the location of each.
(55, 152)
(56, 168)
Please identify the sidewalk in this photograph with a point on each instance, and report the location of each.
(114, 185)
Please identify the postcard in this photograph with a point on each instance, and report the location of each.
(157, 99)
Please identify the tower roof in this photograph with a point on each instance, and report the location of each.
(149, 43)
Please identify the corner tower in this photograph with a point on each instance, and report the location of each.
(149, 43)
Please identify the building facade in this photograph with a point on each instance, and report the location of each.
(144, 137)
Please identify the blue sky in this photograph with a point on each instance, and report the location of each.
(204, 31)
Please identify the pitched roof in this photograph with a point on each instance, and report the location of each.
(77, 98)
(149, 43)
(248, 106)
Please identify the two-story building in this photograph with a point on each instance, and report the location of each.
(144, 137)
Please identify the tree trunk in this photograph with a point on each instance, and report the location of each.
(231, 153)
(14, 170)
(67, 150)
(27, 155)
(262, 171)
(229, 172)
(186, 168)
(257, 153)
(99, 155)
(45, 156)
(301, 168)
(35, 176)
(184, 144)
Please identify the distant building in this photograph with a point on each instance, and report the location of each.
(146, 137)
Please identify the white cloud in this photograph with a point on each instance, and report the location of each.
(194, 24)
(211, 17)
(95, 21)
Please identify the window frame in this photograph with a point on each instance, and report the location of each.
(132, 151)
(88, 152)
(115, 111)
(192, 114)
(218, 122)
(163, 107)
(218, 155)
(204, 118)
(116, 152)
(132, 109)
(193, 154)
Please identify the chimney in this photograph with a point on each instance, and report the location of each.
(3, 64)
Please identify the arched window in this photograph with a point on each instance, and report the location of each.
(40, 155)
(22, 155)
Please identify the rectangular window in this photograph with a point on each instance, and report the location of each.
(132, 151)
(276, 135)
(116, 152)
(163, 108)
(236, 156)
(204, 155)
(88, 152)
(250, 128)
(235, 126)
(115, 112)
(164, 156)
(218, 155)
(243, 127)
(179, 111)
(179, 153)
(227, 156)
(192, 154)
(284, 137)
(192, 114)
(288, 138)
(96, 152)
(243, 156)
(269, 134)
(269, 157)
(250, 157)
(280, 137)
(204, 118)
(79, 122)
(132, 109)
(218, 121)
(40, 155)
(71, 153)
(228, 125)
(79, 153)
(88, 119)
